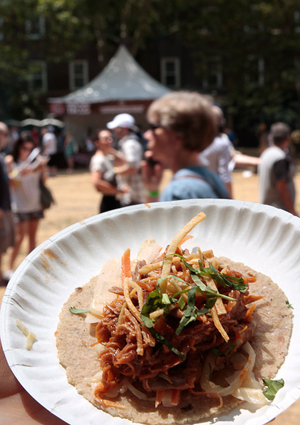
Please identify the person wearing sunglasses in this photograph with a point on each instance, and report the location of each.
(182, 124)
(25, 196)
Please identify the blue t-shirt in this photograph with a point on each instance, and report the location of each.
(209, 185)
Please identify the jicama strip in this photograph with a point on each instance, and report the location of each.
(218, 324)
(219, 303)
(139, 339)
(130, 304)
(173, 246)
(30, 336)
(149, 268)
(148, 338)
(139, 293)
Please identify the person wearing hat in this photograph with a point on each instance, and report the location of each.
(129, 174)
(276, 184)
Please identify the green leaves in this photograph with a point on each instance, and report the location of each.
(222, 279)
(191, 312)
(156, 301)
(272, 387)
(77, 310)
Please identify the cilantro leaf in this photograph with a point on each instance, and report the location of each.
(222, 279)
(191, 312)
(181, 302)
(272, 386)
(77, 310)
(217, 352)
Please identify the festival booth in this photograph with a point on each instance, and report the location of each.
(122, 86)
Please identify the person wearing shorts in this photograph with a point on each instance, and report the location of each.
(6, 217)
(25, 197)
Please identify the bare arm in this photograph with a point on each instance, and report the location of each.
(284, 194)
(152, 177)
(229, 189)
(102, 185)
(126, 170)
(120, 158)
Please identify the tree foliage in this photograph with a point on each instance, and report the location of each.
(254, 43)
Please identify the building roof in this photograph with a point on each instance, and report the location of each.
(122, 79)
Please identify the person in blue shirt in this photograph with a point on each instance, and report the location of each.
(181, 124)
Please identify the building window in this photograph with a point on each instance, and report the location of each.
(1, 26)
(255, 71)
(38, 77)
(170, 72)
(297, 21)
(35, 28)
(213, 75)
(78, 74)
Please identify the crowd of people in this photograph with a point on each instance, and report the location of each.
(186, 134)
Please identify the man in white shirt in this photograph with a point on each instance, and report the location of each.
(129, 174)
(49, 144)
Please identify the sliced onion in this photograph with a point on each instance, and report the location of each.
(240, 377)
(252, 395)
(137, 392)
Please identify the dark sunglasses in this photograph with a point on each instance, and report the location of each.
(153, 127)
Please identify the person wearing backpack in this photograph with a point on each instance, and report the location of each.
(181, 124)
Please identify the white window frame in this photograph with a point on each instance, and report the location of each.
(219, 74)
(260, 71)
(43, 75)
(72, 75)
(176, 73)
(41, 28)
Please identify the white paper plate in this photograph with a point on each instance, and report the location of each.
(264, 238)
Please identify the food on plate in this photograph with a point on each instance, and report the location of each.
(174, 336)
(30, 336)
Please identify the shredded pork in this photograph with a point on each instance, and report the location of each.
(133, 354)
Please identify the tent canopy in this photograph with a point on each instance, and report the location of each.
(122, 79)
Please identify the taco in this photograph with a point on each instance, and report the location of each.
(174, 337)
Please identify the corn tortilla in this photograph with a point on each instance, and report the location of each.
(270, 342)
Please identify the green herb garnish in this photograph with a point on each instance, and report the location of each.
(217, 352)
(289, 304)
(221, 278)
(191, 312)
(272, 387)
(77, 310)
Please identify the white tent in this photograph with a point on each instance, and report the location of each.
(122, 86)
(121, 80)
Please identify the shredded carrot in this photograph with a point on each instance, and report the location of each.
(249, 314)
(175, 399)
(159, 396)
(239, 335)
(109, 403)
(126, 265)
(184, 239)
(248, 299)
